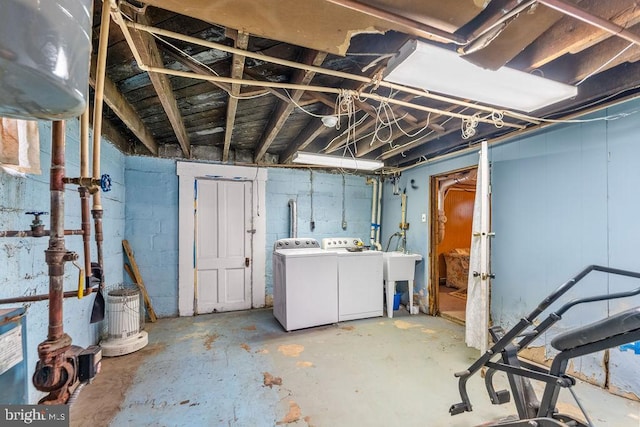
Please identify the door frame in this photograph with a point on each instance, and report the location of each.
(434, 285)
(187, 173)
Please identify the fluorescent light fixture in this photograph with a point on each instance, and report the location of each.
(336, 162)
(425, 66)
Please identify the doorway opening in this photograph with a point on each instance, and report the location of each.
(452, 198)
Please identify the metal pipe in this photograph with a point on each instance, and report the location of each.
(53, 372)
(596, 21)
(374, 201)
(261, 57)
(84, 196)
(293, 218)
(493, 26)
(336, 91)
(56, 251)
(86, 233)
(379, 214)
(415, 27)
(43, 297)
(97, 124)
(29, 233)
(99, 94)
(84, 143)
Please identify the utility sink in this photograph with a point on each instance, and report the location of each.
(399, 266)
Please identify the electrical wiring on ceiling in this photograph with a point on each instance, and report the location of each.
(197, 61)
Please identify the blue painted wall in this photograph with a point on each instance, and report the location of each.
(417, 204)
(24, 270)
(286, 184)
(152, 218)
(562, 199)
(152, 228)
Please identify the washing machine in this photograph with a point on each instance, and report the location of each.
(305, 284)
(360, 278)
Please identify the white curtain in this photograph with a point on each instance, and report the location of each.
(19, 146)
(477, 315)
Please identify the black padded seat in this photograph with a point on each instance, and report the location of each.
(617, 324)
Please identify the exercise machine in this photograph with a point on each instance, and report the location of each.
(613, 331)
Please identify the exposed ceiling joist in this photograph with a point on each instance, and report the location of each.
(150, 54)
(359, 42)
(125, 111)
(283, 110)
(570, 35)
(362, 129)
(241, 41)
(601, 57)
(307, 136)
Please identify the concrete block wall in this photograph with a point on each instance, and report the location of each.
(286, 184)
(152, 228)
(24, 270)
(562, 198)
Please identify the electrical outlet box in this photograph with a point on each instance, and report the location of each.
(424, 217)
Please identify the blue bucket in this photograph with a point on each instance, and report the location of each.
(396, 301)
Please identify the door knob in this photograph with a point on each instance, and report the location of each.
(247, 262)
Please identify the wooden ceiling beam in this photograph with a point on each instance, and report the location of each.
(252, 75)
(124, 110)
(572, 36)
(284, 109)
(308, 134)
(237, 70)
(111, 133)
(406, 143)
(366, 126)
(596, 59)
(146, 46)
(191, 64)
(403, 142)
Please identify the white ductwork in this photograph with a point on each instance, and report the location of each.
(374, 235)
(443, 188)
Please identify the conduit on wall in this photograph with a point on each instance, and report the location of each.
(293, 218)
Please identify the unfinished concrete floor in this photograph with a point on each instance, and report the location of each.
(242, 369)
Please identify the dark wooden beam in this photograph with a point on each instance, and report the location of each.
(237, 68)
(571, 36)
(146, 46)
(596, 59)
(284, 109)
(124, 110)
(308, 135)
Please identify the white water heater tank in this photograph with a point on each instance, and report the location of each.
(44, 58)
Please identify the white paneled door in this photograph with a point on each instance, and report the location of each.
(223, 233)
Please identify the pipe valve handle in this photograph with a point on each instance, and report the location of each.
(105, 183)
(36, 219)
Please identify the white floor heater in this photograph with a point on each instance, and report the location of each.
(124, 323)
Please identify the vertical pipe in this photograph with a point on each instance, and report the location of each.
(97, 123)
(379, 214)
(84, 195)
(84, 143)
(293, 218)
(374, 201)
(86, 233)
(56, 251)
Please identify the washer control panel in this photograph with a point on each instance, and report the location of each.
(342, 243)
(296, 243)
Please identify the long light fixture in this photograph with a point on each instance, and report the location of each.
(426, 66)
(336, 161)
